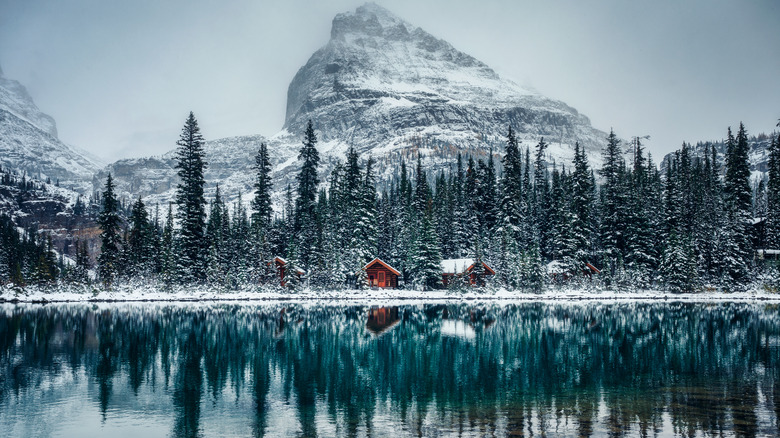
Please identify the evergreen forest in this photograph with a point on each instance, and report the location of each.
(697, 222)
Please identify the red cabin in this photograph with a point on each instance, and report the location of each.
(380, 274)
(459, 268)
(281, 268)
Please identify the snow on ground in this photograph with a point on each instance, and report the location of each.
(205, 293)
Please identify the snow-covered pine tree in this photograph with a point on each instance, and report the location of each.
(640, 248)
(582, 200)
(612, 204)
(192, 257)
(442, 209)
(773, 196)
(168, 250)
(426, 256)
(367, 223)
(533, 275)
(239, 244)
(511, 188)
(110, 241)
(760, 211)
(81, 271)
(561, 220)
(217, 264)
(738, 204)
(140, 241)
(261, 203)
(488, 196)
(305, 223)
(678, 265)
(461, 211)
(539, 195)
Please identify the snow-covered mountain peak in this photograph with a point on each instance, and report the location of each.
(29, 143)
(380, 81)
(369, 20)
(15, 99)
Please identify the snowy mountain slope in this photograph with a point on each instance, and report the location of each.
(49, 209)
(29, 143)
(229, 164)
(392, 91)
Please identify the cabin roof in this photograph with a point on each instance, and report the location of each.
(459, 266)
(284, 262)
(559, 267)
(378, 260)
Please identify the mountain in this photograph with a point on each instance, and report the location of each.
(391, 90)
(29, 143)
(381, 82)
(229, 164)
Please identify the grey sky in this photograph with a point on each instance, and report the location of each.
(119, 77)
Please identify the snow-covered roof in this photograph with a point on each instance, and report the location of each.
(556, 267)
(284, 262)
(380, 261)
(769, 251)
(456, 266)
(757, 220)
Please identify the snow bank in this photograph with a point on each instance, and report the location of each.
(205, 293)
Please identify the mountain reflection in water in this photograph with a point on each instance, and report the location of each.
(581, 369)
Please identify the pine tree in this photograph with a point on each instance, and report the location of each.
(305, 224)
(678, 265)
(109, 222)
(167, 252)
(460, 235)
(540, 190)
(582, 199)
(217, 251)
(140, 241)
(738, 204)
(511, 187)
(561, 221)
(426, 256)
(612, 219)
(773, 195)
(81, 271)
(261, 203)
(640, 249)
(191, 203)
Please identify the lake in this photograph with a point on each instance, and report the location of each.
(439, 369)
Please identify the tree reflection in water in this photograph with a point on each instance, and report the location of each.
(506, 369)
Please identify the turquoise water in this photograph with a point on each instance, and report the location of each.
(456, 369)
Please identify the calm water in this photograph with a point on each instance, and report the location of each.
(529, 369)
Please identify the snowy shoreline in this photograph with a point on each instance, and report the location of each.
(202, 294)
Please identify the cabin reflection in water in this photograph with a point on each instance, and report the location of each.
(382, 319)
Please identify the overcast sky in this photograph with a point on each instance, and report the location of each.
(119, 77)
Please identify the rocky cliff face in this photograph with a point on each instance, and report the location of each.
(391, 90)
(29, 143)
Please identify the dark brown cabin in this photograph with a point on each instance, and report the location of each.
(459, 268)
(281, 268)
(380, 274)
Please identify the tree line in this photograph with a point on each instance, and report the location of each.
(689, 224)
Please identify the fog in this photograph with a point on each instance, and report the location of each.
(120, 77)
